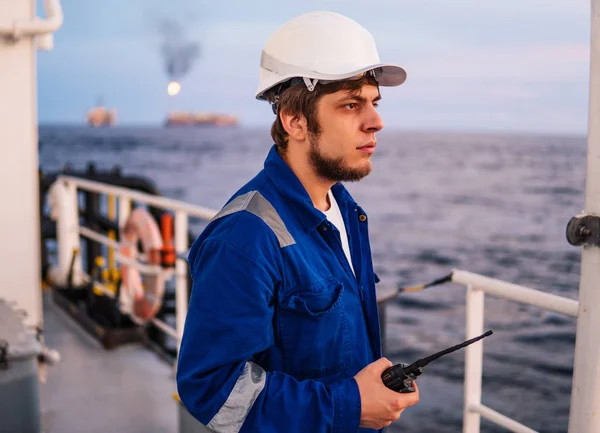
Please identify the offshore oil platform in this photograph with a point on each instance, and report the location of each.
(101, 116)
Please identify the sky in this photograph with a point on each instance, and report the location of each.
(473, 65)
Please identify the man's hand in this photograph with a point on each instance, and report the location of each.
(380, 405)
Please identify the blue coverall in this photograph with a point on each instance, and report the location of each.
(278, 324)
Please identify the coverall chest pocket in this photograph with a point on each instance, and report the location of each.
(314, 330)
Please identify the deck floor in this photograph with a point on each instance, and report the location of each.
(92, 390)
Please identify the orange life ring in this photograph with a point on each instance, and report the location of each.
(145, 298)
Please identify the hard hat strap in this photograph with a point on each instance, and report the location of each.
(310, 84)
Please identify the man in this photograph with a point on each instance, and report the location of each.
(282, 332)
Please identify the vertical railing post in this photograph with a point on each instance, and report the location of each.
(181, 272)
(124, 210)
(92, 209)
(112, 216)
(67, 236)
(473, 359)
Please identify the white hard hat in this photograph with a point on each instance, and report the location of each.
(322, 46)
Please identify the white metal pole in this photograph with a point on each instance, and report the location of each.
(585, 394)
(473, 359)
(67, 234)
(19, 180)
(124, 210)
(181, 272)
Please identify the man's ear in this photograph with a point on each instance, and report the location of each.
(295, 125)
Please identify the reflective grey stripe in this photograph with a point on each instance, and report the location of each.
(237, 204)
(234, 411)
(255, 203)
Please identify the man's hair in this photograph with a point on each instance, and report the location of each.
(297, 100)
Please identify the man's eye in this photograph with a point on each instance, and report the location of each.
(351, 106)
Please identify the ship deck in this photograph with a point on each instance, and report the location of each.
(92, 390)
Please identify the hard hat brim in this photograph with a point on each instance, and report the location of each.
(390, 76)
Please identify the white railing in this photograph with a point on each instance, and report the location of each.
(69, 234)
(477, 287)
(69, 237)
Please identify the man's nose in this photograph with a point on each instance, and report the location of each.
(373, 121)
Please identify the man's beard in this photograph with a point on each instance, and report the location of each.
(334, 169)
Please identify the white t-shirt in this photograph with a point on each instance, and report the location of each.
(335, 217)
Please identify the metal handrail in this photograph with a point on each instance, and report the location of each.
(477, 285)
(514, 292)
(142, 197)
(136, 264)
(499, 419)
(71, 234)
